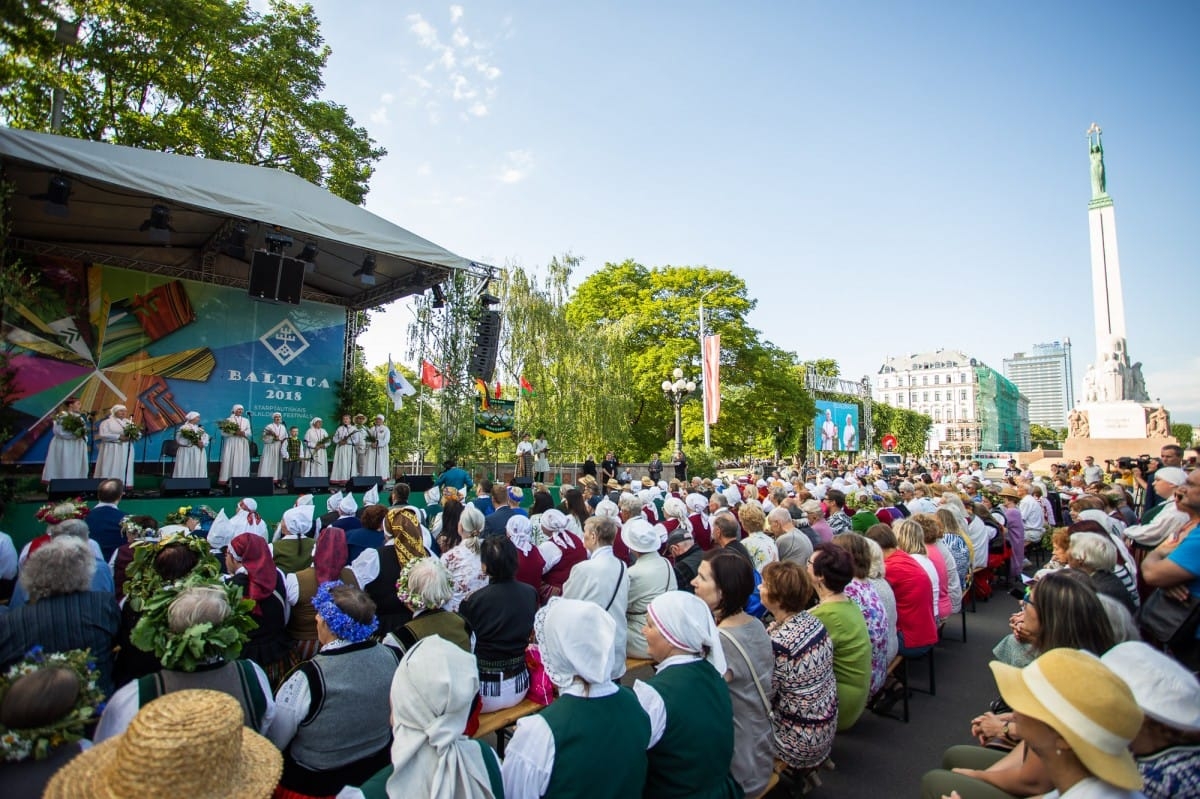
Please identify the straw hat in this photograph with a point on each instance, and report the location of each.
(1010, 492)
(1082, 700)
(186, 744)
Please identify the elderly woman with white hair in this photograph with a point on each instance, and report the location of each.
(1096, 556)
(102, 577)
(114, 457)
(425, 587)
(235, 445)
(191, 458)
(556, 752)
(63, 612)
(687, 700)
(561, 550)
(462, 560)
(432, 693)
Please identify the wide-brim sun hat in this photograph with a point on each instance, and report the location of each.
(1164, 689)
(1081, 699)
(186, 744)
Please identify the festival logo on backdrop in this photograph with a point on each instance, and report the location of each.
(163, 347)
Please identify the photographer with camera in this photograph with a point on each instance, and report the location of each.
(1143, 473)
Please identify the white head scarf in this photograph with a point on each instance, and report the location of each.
(112, 412)
(192, 416)
(304, 499)
(517, 530)
(237, 408)
(431, 693)
(334, 500)
(687, 624)
(298, 520)
(608, 509)
(554, 523)
(673, 508)
(733, 495)
(220, 532)
(371, 497)
(347, 506)
(575, 638)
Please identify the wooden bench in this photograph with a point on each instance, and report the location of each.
(637, 663)
(500, 721)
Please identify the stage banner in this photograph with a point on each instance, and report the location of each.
(495, 419)
(163, 347)
(836, 426)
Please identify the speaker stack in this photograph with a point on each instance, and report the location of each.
(309, 485)
(487, 342)
(251, 486)
(71, 487)
(364, 483)
(185, 486)
(276, 278)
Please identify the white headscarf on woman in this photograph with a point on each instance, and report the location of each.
(687, 624)
(432, 691)
(554, 524)
(698, 503)
(575, 639)
(517, 530)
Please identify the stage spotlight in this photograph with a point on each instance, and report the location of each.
(58, 192)
(309, 256)
(277, 242)
(439, 296)
(366, 274)
(159, 223)
(235, 246)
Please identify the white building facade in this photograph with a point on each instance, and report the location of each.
(1044, 375)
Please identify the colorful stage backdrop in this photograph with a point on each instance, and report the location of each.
(163, 347)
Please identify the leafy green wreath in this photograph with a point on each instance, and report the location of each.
(144, 582)
(200, 643)
(40, 741)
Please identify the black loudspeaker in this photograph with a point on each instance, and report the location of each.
(309, 485)
(364, 483)
(523, 482)
(185, 486)
(418, 482)
(276, 278)
(69, 488)
(251, 486)
(487, 341)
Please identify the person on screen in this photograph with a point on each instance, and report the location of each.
(829, 431)
(849, 434)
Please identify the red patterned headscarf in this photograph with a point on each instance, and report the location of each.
(250, 550)
(331, 555)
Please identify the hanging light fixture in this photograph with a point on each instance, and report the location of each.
(158, 225)
(58, 193)
(366, 274)
(309, 256)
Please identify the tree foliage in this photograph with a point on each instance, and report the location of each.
(656, 312)
(910, 428)
(1183, 433)
(209, 78)
(1046, 437)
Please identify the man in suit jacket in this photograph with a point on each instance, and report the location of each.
(104, 520)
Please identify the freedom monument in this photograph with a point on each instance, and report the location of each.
(1116, 417)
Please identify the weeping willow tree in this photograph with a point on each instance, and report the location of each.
(583, 395)
(445, 336)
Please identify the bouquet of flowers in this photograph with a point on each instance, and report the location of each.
(132, 432)
(322, 444)
(371, 438)
(73, 423)
(136, 532)
(61, 511)
(229, 427)
(192, 435)
(269, 437)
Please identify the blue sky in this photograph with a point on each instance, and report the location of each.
(886, 177)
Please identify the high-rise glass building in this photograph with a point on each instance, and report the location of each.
(1044, 376)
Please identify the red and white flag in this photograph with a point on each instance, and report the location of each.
(712, 378)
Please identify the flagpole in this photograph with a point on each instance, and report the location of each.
(419, 457)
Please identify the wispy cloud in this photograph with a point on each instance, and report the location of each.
(517, 166)
(460, 68)
(380, 114)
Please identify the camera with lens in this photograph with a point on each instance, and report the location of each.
(1127, 463)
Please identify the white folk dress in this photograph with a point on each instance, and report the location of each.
(67, 457)
(191, 460)
(379, 460)
(235, 451)
(344, 456)
(271, 463)
(316, 459)
(114, 458)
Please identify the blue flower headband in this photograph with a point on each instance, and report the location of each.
(341, 625)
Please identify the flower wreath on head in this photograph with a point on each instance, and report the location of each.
(406, 594)
(178, 516)
(200, 643)
(336, 619)
(56, 512)
(141, 534)
(864, 502)
(89, 704)
(144, 582)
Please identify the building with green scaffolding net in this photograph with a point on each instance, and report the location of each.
(1002, 412)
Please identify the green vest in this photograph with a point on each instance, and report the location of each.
(294, 554)
(376, 787)
(599, 746)
(692, 759)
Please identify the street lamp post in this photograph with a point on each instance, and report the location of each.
(676, 391)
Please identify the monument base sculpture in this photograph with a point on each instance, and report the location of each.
(1110, 430)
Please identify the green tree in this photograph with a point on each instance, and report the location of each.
(656, 312)
(910, 428)
(1183, 433)
(1044, 437)
(207, 78)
